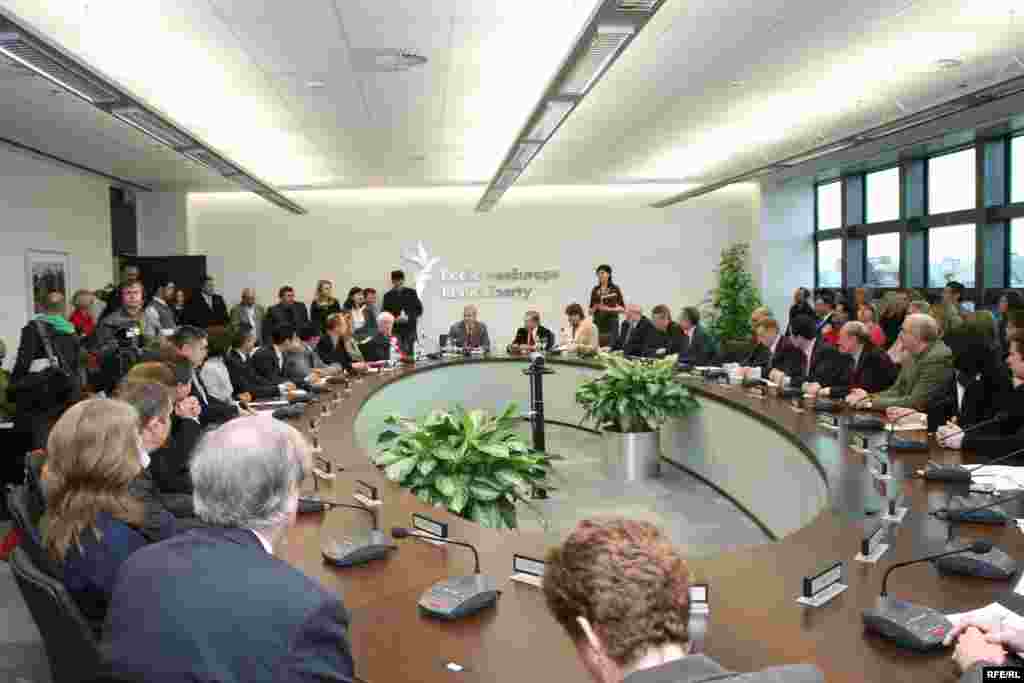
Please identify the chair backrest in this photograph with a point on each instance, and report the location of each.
(71, 646)
(18, 503)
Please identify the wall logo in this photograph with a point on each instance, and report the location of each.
(469, 284)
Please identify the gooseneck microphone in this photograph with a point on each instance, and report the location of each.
(456, 597)
(908, 625)
(1001, 416)
(937, 472)
(350, 551)
(311, 504)
(978, 548)
(960, 513)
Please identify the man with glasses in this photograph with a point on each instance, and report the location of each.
(532, 336)
(470, 333)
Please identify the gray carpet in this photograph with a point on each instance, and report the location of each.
(694, 515)
(22, 657)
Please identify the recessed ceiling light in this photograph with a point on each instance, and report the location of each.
(949, 63)
(315, 84)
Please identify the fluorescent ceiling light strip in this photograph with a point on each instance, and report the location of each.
(636, 6)
(494, 195)
(604, 46)
(555, 112)
(249, 183)
(507, 178)
(814, 154)
(524, 154)
(154, 125)
(45, 74)
(208, 158)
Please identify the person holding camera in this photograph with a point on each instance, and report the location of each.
(127, 323)
(45, 380)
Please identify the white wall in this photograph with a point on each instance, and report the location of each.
(783, 249)
(163, 223)
(49, 207)
(352, 236)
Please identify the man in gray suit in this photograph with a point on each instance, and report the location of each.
(303, 364)
(159, 312)
(594, 572)
(470, 333)
(248, 312)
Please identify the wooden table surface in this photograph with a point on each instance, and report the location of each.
(755, 621)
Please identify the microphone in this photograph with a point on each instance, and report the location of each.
(903, 444)
(1001, 416)
(350, 551)
(913, 626)
(959, 513)
(959, 473)
(456, 597)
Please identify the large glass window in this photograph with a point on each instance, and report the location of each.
(951, 255)
(882, 191)
(830, 206)
(951, 182)
(1017, 252)
(830, 263)
(883, 260)
(1017, 169)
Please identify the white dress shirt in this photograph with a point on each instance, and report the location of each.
(217, 380)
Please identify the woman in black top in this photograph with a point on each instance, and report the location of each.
(801, 306)
(606, 303)
(324, 305)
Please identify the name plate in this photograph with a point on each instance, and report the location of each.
(373, 500)
(527, 570)
(429, 526)
(700, 597)
(823, 586)
(871, 546)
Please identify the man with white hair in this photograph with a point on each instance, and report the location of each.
(214, 603)
(469, 333)
(383, 345)
(927, 369)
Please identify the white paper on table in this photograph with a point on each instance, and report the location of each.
(993, 613)
(914, 426)
(1002, 477)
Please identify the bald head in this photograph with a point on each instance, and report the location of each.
(919, 331)
(248, 296)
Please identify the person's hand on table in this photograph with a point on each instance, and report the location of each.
(246, 412)
(245, 397)
(289, 386)
(360, 366)
(777, 376)
(950, 436)
(896, 413)
(855, 397)
(973, 646)
(811, 389)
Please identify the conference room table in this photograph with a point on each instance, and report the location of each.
(754, 622)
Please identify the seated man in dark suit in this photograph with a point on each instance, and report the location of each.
(287, 311)
(532, 336)
(632, 338)
(243, 377)
(384, 345)
(192, 343)
(666, 339)
(870, 369)
(177, 606)
(698, 348)
(630, 625)
(303, 363)
(769, 343)
(469, 333)
(268, 361)
(206, 308)
(816, 361)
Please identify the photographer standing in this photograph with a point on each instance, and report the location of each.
(45, 380)
(121, 337)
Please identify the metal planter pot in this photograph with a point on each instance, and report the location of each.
(632, 457)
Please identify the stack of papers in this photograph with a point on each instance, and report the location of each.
(994, 614)
(908, 425)
(1002, 477)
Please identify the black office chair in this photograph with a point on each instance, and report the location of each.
(19, 505)
(71, 647)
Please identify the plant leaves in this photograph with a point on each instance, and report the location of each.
(426, 466)
(497, 450)
(487, 515)
(445, 485)
(459, 499)
(398, 471)
(484, 493)
(387, 458)
(387, 436)
(514, 479)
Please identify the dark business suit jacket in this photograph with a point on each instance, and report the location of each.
(295, 315)
(983, 398)
(331, 354)
(671, 340)
(202, 314)
(246, 380)
(542, 335)
(169, 465)
(403, 299)
(1007, 436)
(179, 612)
(697, 351)
(158, 506)
(264, 363)
(637, 343)
(213, 411)
(378, 347)
(829, 367)
(874, 372)
(760, 357)
(702, 669)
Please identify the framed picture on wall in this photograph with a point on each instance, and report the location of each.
(46, 271)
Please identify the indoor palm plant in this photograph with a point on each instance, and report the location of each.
(476, 465)
(736, 296)
(630, 401)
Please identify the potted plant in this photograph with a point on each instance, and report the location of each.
(733, 301)
(476, 465)
(629, 403)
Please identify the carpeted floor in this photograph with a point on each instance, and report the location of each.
(22, 657)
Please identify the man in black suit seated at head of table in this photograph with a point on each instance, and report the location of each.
(215, 604)
(532, 336)
(287, 311)
(631, 626)
(666, 339)
(633, 332)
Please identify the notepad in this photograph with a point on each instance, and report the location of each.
(992, 613)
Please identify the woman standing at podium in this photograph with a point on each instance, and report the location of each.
(606, 303)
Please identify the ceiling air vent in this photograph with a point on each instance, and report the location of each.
(524, 153)
(636, 6)
(54, 67)
(208, 158)
(249, 183)
(153, 126)
(606, 42)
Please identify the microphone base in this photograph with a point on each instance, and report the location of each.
(459, 597)
(995, 564)
(349, 552)
(955, 473)
(909, 626)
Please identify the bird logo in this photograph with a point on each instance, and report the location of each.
(426, 264)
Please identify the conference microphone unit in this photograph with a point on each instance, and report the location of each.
(959, 473)
(963, 509)
(350, 551)
(911, 626)
(456, 597)
(903, 445)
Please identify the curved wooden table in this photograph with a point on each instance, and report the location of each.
(755, 621)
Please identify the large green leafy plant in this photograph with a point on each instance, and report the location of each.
(633, 395)
(736, 296)
(476, 465)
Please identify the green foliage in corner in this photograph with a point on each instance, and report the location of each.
(476, 465)
(736, 296)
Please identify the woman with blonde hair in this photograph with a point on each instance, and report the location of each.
(94, 523)
(323, 305)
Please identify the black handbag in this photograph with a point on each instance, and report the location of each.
(48, 388)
